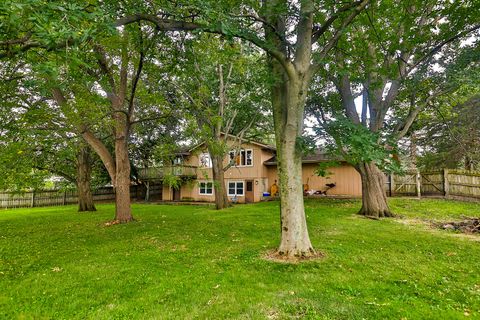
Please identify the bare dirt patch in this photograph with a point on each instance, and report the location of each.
(467, 225)
(274, 256)
(439, 226)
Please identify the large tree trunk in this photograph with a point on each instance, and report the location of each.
(288, 94)
(295, 241)
(84, 175)
(221, 199)
(123, 212)
(288, 116)
(374, 197)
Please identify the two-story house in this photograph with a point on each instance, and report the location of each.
(251, 176)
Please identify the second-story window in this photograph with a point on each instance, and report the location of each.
(204, 160)
(249, 157)
(177, 161)
(244, 158)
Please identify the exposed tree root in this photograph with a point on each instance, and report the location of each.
(376, 215)
(114, 222)
(293, 257)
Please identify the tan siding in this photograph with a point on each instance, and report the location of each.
(345, 177)
(167, 194)
(257, 173)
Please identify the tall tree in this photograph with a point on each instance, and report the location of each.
(43, 144)
(297, 38)
(379, 56)
(117, 75)
(221, 90)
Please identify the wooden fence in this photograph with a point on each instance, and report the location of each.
(43, 198)
(447, 183)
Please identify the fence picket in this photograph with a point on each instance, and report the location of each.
(42, 198)
(447, 183)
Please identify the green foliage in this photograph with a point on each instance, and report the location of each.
(18, 174)
(305, 145)
(403, 54)
(48, 24)
(356, 144)
(322, 168)
(188, 262)
(171, 180)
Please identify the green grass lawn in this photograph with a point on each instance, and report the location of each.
(188, 262)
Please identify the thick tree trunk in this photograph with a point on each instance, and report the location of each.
(288, 94)
(84, 175)
(295, 241)
(288, 116)
(123, 212)
(374, 197)
(221, 199)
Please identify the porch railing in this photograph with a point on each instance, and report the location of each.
(155, 173)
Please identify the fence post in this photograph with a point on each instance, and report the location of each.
(147, 193)
(64, 197)
(418, 178)
(32, 203)
(392, 184)
(446, 184)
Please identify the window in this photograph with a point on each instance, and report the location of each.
(235, 188)
(244, 158)
(177, 161)
(205, 160)
(249, 157)
(205, 188)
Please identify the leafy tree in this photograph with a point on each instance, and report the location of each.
(448, 131)
(292, 35)
(113, 79)
(37, 142)
(390, 58)
(220, 89)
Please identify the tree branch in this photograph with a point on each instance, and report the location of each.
(319, 31)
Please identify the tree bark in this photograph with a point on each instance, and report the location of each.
(374, 197)
(84, 175)
(123, 211)
(221, 199)
(295, 240)
(288, 95)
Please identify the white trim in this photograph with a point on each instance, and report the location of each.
(236, 188)
(209, 162)
(200, 188)
(234, 156)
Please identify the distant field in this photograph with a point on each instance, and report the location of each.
(190, 262)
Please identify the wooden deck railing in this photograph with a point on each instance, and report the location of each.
(158, 173)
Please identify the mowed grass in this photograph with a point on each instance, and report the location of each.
(191, 262)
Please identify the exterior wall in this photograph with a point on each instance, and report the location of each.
(257, 173)
(346, 178)
(167, 193)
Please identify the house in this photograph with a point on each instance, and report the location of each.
(252, 174)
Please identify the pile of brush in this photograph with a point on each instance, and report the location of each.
(467, 225)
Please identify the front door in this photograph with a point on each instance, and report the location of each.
(249, 192)
(176, 194)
